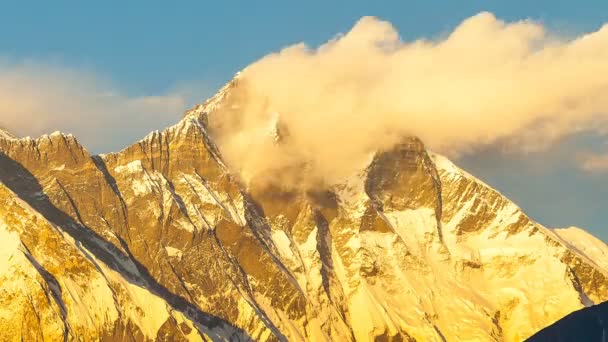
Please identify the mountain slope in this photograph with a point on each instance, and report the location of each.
(182, 250)
(4, 134)
(589, 324)
(587, 244)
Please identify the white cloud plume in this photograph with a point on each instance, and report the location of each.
(40, 98)
(362, 91)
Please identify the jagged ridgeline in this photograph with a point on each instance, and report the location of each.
(161, 242)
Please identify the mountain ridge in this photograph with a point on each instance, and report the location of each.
(410, 237)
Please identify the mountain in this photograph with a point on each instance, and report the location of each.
(160, 241)
(4, 134)
(587, 244)
(589, 324)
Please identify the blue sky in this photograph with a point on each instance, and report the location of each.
(148, 46)
(181, 52)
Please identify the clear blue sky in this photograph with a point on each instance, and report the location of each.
(150, 45)
(148, 48)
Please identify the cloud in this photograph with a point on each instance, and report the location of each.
(40, 98)
(594, 162)
(363, 91)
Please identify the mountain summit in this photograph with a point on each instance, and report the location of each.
(161, 241)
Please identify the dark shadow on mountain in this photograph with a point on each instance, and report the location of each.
(324, 248)
(256, 220)
(26, 186)
(53, 286)
(589, 325)
(101, 165)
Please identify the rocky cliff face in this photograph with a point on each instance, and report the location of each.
(161, 242)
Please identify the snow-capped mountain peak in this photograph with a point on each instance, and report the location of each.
(160, 241)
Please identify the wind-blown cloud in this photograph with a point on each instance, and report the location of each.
(487, 81)
(40, 98)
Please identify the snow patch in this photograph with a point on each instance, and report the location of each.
(9, 247)
(173, 252)
(131, 167)
(586, 244)
(141, 187)
(283, 244)
(148, 311)
(444, 164)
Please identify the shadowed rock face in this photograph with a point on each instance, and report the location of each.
(161, 242)
(589, 324)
